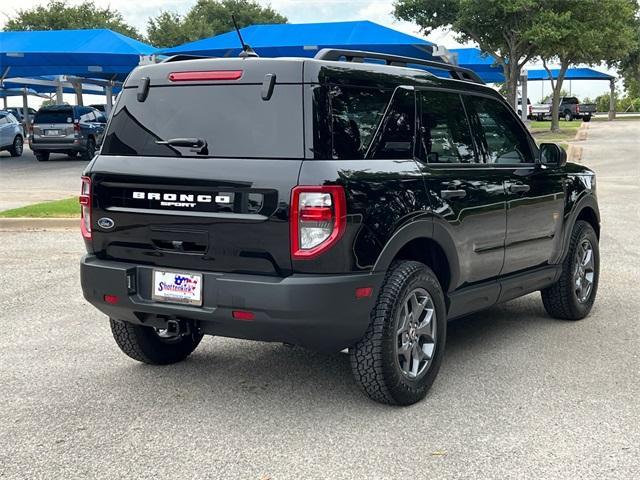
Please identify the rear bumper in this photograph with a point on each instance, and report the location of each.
(315, 311)
(76, 145)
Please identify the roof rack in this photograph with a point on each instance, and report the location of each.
(457, 73)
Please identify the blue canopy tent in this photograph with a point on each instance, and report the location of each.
(99, 54)
(305, 39)
(89, 53)
(572, 74)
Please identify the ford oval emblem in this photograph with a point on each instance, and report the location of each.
(106, 223)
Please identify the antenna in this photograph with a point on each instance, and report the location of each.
(247, 51)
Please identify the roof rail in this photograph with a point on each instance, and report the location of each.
(457, 73)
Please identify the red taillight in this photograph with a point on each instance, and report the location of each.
(76, 128)
(205, 75)
(318, 219)
(577, 108)
(85, 208)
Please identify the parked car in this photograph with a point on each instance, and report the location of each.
(528, 108)
(570, 108)
(99, 106)
(11, 134)
(383, 202)
(66, 129)
(18, 112)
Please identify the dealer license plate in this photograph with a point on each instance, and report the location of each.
(177, 287)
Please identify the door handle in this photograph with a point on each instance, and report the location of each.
(447, 194)
(519, 188)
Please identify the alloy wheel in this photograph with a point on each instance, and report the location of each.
(584, 271)
(416, 333)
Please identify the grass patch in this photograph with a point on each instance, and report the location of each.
(564, 125)
(67, 208)
(546, 136)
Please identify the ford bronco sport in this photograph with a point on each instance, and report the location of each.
(329, 203)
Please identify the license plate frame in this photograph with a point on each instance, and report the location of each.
(52, 133)
(177, 287)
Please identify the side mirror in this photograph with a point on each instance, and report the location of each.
(552, 154)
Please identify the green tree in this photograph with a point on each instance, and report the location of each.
(206, 19)
(57, 15)
(569, 32)
(629, 66)
(499, 27)
(167, 30)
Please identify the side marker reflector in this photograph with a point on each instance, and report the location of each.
(243, 315)
(112, 299)
(364, 292)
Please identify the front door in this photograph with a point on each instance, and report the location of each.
(535, 195)
(467, 196)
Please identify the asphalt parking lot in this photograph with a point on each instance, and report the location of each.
(520, 395)
(24, 180)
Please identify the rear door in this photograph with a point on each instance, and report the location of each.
(535, 196)
(468, 195)
(54, 124)
(221, 203)
(5, 126)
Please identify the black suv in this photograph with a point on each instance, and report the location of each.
(66, 129)
(329, 203)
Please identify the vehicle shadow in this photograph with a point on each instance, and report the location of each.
(224, 370)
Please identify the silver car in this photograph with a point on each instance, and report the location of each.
(11, 137)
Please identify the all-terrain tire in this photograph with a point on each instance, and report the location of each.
(374, 359)
(144, 345)
(561, 299)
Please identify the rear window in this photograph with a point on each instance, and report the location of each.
(54, 116)
(233, 120)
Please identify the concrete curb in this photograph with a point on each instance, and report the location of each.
(26, 224)
(574, 154)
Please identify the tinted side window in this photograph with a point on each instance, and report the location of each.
(445, 136)
(86, 115)
(395, 136)
(3, 119)
(355, 115)
(504, 139)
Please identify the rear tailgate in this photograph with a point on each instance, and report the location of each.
(54, 125)
(222, 208)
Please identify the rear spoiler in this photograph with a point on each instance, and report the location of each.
(456, 72)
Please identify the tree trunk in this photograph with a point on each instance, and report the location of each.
(511, 74)
(557, 88)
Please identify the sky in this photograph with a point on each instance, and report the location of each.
(136, 12)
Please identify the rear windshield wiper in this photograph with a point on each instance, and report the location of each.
(197, 145)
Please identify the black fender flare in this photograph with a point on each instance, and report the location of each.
(586, 201)
(430, 229)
